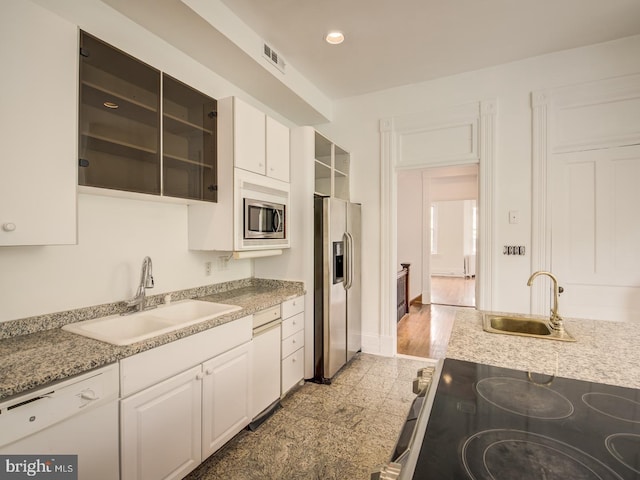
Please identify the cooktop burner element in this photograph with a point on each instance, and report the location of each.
(523, 397)
(492, 423)
(510, 454)
(625, 447)
(613, 406)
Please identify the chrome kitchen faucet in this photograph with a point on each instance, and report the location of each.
(146, 281)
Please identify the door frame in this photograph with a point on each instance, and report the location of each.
(396, 137)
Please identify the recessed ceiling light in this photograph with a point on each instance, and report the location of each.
(334, 38)
(111, 105)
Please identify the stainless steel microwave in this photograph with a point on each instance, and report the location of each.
(264, 220)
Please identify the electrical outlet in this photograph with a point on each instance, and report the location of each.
(513, 250)
(222, 263)
(207, 268)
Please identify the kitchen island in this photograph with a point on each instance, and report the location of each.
(604, 352)
(509, 406)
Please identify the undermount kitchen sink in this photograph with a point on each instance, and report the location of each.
(529, 327)
(128, 329)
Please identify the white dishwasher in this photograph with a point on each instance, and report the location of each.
(267, 328)
(77, 416)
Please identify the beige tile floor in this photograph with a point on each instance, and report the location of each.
(324, 432)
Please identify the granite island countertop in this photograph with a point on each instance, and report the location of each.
(35, 359)
(604, 351)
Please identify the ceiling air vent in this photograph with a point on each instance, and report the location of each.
(273, 57)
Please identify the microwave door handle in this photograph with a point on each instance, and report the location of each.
(277, 219)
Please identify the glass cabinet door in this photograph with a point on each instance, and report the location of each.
(189, 142)
(119, 118)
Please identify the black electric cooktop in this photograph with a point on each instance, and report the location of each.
(491, 423)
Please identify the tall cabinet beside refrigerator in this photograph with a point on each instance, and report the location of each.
(337, 285)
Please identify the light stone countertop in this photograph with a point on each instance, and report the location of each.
(605, 352)
(33, 359)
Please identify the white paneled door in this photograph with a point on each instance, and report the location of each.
(595, 234)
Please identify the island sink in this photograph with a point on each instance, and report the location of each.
(139, 326)
(516, 325)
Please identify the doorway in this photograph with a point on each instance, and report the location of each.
(437, 234)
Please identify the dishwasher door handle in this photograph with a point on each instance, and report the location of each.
(266, 327)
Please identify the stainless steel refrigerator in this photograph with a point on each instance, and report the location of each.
(337, 290)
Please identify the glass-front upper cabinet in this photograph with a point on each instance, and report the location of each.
(119, 138)
(125, 142)
(189, 142)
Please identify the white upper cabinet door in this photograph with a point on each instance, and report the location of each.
(38, 120)
(249, 137)
(277, 150)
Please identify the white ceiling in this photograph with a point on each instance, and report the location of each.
(390, 43)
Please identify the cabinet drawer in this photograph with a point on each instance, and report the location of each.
(292, 370)
(292, 343)
(292, 307)
(292, 325)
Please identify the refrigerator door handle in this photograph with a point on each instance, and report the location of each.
(349, 257)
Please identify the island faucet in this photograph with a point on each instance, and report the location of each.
(555, 321)
(146, 281)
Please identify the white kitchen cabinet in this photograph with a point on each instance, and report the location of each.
(292, 343)
(277, 150)
(260, 144)
(226, 397)
(184, 400)
(38, 120)
(249, 136)
(160, 429)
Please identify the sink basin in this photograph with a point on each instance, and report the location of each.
(128, 329)
(529, 327)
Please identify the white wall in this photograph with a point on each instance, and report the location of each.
(410, 231)
(449, 257)
(356, 126)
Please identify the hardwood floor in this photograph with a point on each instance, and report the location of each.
(456, 291)
(425, 330)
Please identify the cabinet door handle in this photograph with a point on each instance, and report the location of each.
(209, 371)
(199, 376)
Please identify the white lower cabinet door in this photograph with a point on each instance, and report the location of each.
(226, 397)
(161, 429)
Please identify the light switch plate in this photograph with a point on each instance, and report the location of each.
(514, 216)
